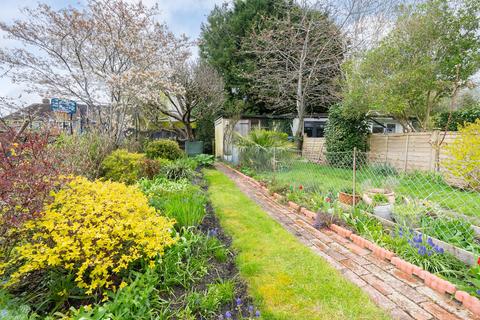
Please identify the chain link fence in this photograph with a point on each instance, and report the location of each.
(437, 204)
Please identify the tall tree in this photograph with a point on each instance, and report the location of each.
(91, 54)
(431, 53)
(193, 91)
(222, 38)
(299, 59)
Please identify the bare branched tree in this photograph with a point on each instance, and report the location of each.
(194, 90)
(300, 55)
(90, 55)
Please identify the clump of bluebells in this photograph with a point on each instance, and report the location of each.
(237, 312)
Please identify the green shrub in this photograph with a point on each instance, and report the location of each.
(187, 162)
(166, 149)
(344, 132)
(123, 166)
(458, 118)
(205, 160)
(260, 147)
(179, 169)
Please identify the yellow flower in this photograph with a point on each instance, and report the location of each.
(123, 285)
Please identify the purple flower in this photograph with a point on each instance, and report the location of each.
(430, 242)
(228, 315)
(239, 302)
(250, 309)
(257, 314)
(478, 292)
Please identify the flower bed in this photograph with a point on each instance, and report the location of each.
(102, 249)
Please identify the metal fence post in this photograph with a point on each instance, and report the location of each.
(274, 164)
(354, 175)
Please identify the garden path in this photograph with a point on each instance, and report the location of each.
(403, 296)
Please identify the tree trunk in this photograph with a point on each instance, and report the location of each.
(189, 131)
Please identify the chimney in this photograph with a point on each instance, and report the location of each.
(46, 101)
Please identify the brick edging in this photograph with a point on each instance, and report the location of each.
(430, 280)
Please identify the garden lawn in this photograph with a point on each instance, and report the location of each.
(287, 280)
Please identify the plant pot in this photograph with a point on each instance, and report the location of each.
(346, 198)
(384, 211)
(367, 197)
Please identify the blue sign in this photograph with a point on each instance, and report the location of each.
(63, 105)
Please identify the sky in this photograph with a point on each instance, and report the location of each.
(182, 17)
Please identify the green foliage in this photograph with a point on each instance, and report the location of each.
(458, 118)
(188, 209)
(151, 294)
(344, 132)
(409, 214)
(208, 302)
(380, 198)
(455, 231)
(123, 166)
(260, 147)
(14, 309)
(382, 170)
(403, 76)
(222, 37)
(138, 300)
(205, 160)
(161, 186)
(180, 169)
(432, 261)
(163, 148)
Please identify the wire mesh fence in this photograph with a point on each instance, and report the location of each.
(438, 204)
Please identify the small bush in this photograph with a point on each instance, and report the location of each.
(94, 230)
(123, 166)
(166, 149)
(204, 160)
(178, 170)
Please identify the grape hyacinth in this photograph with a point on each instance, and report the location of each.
(417, 241)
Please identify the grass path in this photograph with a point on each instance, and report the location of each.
(287, 280)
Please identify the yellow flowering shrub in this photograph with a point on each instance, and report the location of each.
(94, 230)
(464, 155)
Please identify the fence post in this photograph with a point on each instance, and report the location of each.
(274, 164)
(354, 175)
(407, 145)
